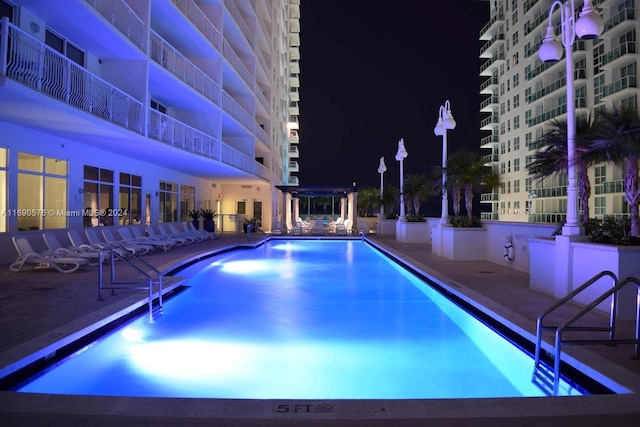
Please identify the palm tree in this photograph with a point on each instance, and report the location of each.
(466, 169)
(417, 188)
(554, 158)
(618, 141)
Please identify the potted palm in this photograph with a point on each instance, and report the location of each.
(207, 217)
(195, 217)
(249, 223)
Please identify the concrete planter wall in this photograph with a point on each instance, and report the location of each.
(388, 227)
(464, 244)
(549, 259)
(413, 232)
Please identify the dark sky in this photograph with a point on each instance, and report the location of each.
(375, 71)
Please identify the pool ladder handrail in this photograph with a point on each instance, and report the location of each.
(117, 251)
(552, 378)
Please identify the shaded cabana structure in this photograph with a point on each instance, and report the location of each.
(318, 202)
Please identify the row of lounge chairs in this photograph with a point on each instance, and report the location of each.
(80, 253)
(339, 227)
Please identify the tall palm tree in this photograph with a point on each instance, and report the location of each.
(417, 188)
(466, 169)
(618, 141)
(553, 157)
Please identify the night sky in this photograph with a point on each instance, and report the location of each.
(373, 72)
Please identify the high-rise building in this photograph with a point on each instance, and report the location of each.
(525, 95)
(139, 111)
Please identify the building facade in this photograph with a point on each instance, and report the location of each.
(138, 111)
(524, 96)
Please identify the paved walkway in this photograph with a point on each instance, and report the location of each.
(40, 308)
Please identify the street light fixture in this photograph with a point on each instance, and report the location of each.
(400, 156)
(445, 122)
(588, 26)
(381, 170)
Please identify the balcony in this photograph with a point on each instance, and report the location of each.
(120, 15)
(627, 82)
(489, 86)
(490, 159)
(293, 166)
(173, 61)
(293, 180)
(294, 153)
(237, 64)
(195, 15)
(490, 122)
(230, 106)
(489, 141)
(487, 32)
(44, 70)
(489, 105)
(491, 65)
(620, 23)
(240, 21)
(627, 48)
(490, 47)
(293, 137)
(489, 197)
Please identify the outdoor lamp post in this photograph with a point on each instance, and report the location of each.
(381, 170)
(445, 123)
(400, 156)
(588, 26)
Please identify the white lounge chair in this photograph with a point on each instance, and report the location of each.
(170, 231)
(94, 240)
(76, 240)
(177, 241)
(56, 247)
(129, 238)
(189, 227)
(137, 234)
(135, 248)
(46, 259)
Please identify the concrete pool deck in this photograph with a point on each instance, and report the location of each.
(41, 309)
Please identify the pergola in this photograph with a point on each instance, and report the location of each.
(292, 194)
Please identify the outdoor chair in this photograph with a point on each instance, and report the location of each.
(56, 247)
(46, 259)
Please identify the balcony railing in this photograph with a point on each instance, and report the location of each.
(200, 21)
(169, 57)
(172, 132)
(35, 65)
(237, 16)
(618, 85)
(236, 111)
(123, 18)
(237, 64)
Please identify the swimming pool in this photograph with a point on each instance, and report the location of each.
(304, 320)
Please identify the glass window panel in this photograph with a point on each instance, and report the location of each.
(106, 175)
(136, 180)
(55, 166)
(3, 157)
(125, 178)
(55, 202)
(90, 173)
(30, 162)
(29, 202)
(105, 204)
(3, 199)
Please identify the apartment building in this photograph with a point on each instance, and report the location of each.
(524, 95)
(137, 111)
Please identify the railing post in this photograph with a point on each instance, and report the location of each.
(4, 45)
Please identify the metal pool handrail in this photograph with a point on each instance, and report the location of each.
(544, 374)
(128, 258)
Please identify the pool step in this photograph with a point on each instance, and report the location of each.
(544, 378)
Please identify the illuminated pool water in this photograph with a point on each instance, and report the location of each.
(301, 320)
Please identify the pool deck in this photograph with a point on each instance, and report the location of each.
(41, 309)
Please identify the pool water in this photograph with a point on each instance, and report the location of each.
(300, 320)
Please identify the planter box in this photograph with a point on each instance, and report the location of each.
(413, 232)
(464, 244)
(387, 227)
(549, 259)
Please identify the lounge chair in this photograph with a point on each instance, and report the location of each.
(176, 241)
(76, 240)
(170, 231)
(46, 259)
(133, 247)
(95, 241)
(189, 228)
(317, 229)
(54, 246)
(129, 238)
(137, 234)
